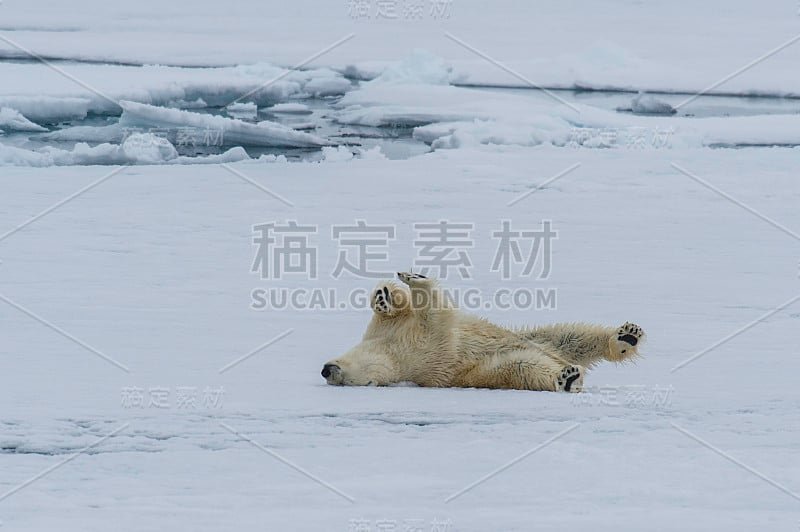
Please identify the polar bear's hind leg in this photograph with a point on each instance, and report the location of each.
(586, 344)
(625, 341)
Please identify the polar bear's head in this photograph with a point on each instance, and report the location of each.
(364, 365)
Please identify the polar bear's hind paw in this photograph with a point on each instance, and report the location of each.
(570, 379)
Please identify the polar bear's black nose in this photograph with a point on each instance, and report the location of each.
(327, 369)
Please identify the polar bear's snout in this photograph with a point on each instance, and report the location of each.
(331, 372)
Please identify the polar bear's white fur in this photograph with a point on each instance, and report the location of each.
(416, 336)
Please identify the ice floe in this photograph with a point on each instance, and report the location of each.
(12, 120)
(230, 131)
(138, 148)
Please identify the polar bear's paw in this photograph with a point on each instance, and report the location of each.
(570, 379)
(624, 342)
(630, 333)
(382, 300)
(412, 279)
(629, 336)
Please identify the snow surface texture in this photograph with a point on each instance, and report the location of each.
(151, 266)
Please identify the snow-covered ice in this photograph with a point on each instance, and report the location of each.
(143, 388)
(153, 268)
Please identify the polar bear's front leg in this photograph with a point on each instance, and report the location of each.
(389, 300)
(426, 295)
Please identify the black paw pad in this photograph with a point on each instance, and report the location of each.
(382, 300)
(570, 380)
(628, 338)
(568, 376)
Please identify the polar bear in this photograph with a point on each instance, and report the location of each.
(417, 336)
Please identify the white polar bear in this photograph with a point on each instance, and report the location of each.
(416, 336)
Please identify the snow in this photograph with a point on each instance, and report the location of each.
(154, 269)
(114, 245)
